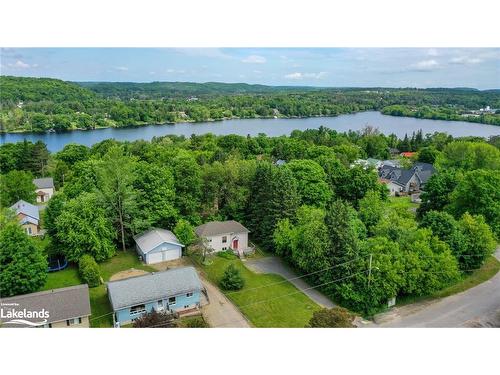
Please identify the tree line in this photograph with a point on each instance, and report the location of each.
(41, 104)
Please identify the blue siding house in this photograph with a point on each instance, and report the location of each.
(178, 290)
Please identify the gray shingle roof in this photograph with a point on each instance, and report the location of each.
(44, 183)
(213, 228)
(152, 287)
(26, 208)
(62, 304)
(150, 239)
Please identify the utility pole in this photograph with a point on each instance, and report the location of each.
(370, 270)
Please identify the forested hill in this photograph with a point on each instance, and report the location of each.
(41, 104)
(27, 89)
(157, 90)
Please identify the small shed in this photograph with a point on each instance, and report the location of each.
(158, 245)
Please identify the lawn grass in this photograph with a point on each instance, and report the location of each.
(489, 269)
(292, 309)
(401, 203)
(99, 303)
(60, 279)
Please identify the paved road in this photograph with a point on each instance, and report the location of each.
(220, 312)
(478, 306)
(276, 265)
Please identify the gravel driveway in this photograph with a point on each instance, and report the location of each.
(220, 312)
(276, 265)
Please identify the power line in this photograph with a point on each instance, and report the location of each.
(293, 278)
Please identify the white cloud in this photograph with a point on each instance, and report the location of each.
(121, 68)
(254, 59)
(465, 60)
(19, 64)
(299, 75)
(425, 65)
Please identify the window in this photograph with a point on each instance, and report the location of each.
(137, 309)
(48, 325)
(224, 239)
(190, 294)
(160, 304)
(74, 321)
(28, 230)
(171, 300)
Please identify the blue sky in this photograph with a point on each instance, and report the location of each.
(339, 67)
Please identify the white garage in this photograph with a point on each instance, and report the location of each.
(158, 245)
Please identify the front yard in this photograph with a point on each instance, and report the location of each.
(279, 305)
(101, 310)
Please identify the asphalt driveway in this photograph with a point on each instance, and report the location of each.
(277, 266)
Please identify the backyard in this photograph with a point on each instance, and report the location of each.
(281, 305)
(101, 310)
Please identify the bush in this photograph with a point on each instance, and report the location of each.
(156, 319)
(337, 317)
(89, 271)
(226, 254)
(196, 322)
(232, 279)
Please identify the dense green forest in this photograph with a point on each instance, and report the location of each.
(324, 216)
(41, 104)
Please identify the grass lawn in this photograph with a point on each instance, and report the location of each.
(401, 203)
(292, 309)
(98, 297)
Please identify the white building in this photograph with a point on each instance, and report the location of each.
(224, 235)
(44, 189)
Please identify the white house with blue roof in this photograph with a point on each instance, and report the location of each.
(158, 245)
(177, 290)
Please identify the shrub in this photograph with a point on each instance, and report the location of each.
(156, 319)
(89, 271)
(196, 322)
(232, 279)
(337, 317)
(226, 254)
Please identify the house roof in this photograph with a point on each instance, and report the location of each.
(150, 239)
(152, 287)
(26, 208)
(44, 183)
(213, 228)
(61, 304)
(396, 175)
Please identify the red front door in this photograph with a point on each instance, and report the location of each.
(235, 244)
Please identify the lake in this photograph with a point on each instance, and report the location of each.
(272, 127)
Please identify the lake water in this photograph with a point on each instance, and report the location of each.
(272, 127)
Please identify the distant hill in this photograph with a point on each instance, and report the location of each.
(127, 90)
(15, 89)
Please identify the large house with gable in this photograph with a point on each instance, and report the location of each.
(402, 181)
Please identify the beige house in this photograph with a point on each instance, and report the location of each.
(57, 308)
(44, 189)
(28, 216)
(224, 235)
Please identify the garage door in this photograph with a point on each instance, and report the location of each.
(163, 256)
(154, 258)
(171, 254)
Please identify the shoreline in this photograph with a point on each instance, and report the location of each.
(228, 119)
